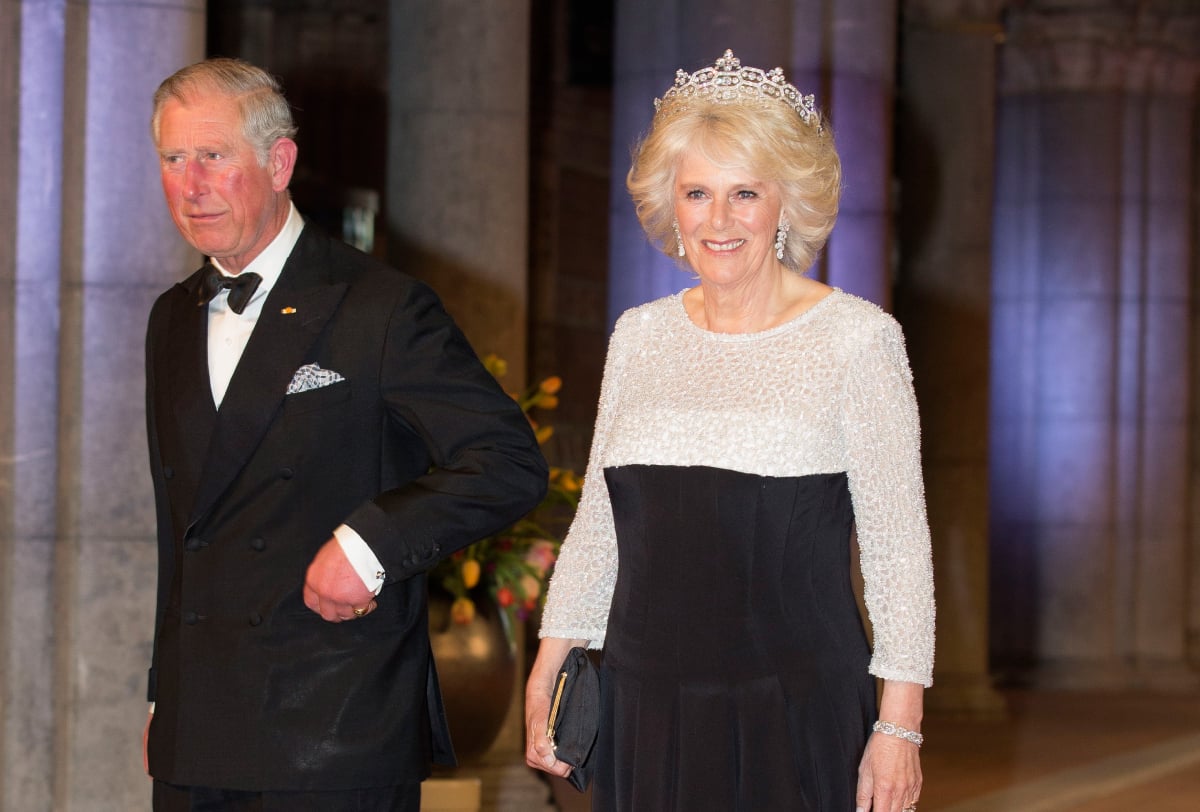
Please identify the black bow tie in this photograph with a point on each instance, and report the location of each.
(241, 287)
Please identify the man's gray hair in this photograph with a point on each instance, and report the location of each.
(266, 116)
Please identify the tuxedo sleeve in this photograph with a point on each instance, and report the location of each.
(485, 471)
(166, 565)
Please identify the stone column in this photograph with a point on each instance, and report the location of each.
(458, 162)
(841, 51)
(85, 245)
(945, 170)
(457, 216)
(1094, 257)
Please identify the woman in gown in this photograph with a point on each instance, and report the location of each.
(747, 427)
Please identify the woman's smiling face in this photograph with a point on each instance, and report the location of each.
(727, 221)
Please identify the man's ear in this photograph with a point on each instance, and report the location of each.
(281, 161)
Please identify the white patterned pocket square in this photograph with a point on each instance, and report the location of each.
(311, 376)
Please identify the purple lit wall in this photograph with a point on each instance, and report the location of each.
(85, 246)
(34, 407)
(1090, 349)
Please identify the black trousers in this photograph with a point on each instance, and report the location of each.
(400, 798)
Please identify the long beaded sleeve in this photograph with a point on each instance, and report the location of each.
(580, 592)
(883, 436)
(827, 392)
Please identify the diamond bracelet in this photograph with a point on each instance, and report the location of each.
(892, 729)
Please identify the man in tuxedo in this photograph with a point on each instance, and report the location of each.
(321, 434)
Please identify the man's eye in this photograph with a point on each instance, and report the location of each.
(212, 156)
(172, 160)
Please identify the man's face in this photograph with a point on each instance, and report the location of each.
(223, 202)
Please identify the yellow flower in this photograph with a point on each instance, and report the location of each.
(496, 365)
(544, 433)
(470, 573)
(551, 386)
(569, 482)
(547, 401)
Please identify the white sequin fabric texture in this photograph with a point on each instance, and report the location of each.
(827, 392)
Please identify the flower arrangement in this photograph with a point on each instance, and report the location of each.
(513, 565)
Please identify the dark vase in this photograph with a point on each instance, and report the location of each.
(476, 666)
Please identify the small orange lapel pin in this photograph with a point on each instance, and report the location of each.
(287, 311)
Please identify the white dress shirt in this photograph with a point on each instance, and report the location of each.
(228, 333)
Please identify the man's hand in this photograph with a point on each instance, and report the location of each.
(333, 589)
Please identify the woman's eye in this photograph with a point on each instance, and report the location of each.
(694, 194)
(747, 194)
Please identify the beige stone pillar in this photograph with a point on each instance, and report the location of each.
(457, 175)
(841, 51)
(457, 217)
(1094, 264)
(85, 245)
(944, 164)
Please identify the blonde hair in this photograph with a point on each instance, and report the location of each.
(767, 139)
(266, 116)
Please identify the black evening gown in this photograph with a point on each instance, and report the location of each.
(735, 667)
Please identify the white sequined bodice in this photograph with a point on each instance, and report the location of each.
(826, 392)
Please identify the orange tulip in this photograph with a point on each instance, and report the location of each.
(462, 611)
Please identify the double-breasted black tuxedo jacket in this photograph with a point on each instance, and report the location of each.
(418, 449)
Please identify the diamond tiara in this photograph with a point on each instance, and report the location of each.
(726, 81)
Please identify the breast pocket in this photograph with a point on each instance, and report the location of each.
(320, 398)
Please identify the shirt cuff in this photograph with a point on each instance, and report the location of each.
(361, 558)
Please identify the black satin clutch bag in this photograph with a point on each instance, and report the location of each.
(575, 715)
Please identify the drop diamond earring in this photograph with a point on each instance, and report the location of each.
(781, 236)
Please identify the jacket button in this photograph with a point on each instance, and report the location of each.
(168, 472)
(286, 473)
(193, 544)
(258, 544)
(255, 618)
(191, 618)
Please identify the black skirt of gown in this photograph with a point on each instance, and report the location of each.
(735, 663)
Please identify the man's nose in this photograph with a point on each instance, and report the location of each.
(194, 180)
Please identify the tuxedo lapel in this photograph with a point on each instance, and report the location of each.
(293, 316)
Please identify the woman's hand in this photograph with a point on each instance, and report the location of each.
(539, 690)
(889, 777)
